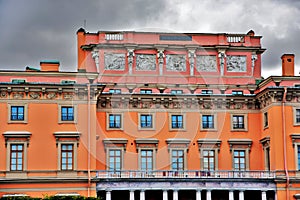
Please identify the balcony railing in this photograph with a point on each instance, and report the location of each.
(114, 36)
(235, 38)
(186, 174)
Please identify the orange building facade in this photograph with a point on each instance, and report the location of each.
(162, 116)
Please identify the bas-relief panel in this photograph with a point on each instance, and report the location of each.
(206, 63)
(145, 62)
(114, 61)
(236, 63)
(176, 63)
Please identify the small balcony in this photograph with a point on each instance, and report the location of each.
(190, 174)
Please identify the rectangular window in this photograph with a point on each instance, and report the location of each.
(115, 158)
(147, 160)
(177, 122)
(115, 91)
(146, 121)
(177, 160)
(17, 113)
(238, 122)
(206, 92)
(209, 160)
(237, 92)
(67, 157)
(67, 113)
(266, 120)
(144, 91)
(239, 159)
(114, 121)
(16, 157)
(297, 116)
(208, 121)
(176, 92)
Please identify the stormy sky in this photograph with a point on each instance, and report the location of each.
(34, 30)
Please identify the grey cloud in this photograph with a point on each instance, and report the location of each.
(33, 30)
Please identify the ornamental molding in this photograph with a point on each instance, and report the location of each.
(49, 92)
(175, 102)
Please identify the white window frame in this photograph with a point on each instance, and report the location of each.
(67, 137)
(74, 110)
(294, 116)
(16, 137)
(183, 123)
(245, 122)
(121, 118)
(240, 144)
(215, 122)
(25, 121)
(146, 128)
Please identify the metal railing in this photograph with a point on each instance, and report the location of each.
(186, 174)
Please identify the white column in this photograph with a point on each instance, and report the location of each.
(263, 195)
(108, 195)
(165, 195)
(198, 195)
(241, 195)
(131, 195)
(142, 195)
(231, 195)
(208, 195)
(175, 194)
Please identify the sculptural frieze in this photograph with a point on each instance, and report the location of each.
(176, 62)
(206, 63)
(145, 62)
(236, 64)
(114, 61)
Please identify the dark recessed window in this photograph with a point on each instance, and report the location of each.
(17, 113)
(145, 91)
(177, 121)
(208, 121)
(146, 121)
(238, 122)
(67, 113)
(114, 121)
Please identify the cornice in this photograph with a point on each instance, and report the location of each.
(49, 91)
(49, 74)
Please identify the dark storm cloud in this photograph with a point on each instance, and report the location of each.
(33, 30)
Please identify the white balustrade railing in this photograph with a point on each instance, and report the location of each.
(114, 36)
(186, 174)
(235, 38)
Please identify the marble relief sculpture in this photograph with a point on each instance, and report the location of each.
(114, 61)
(145, 62)
(236, 63)
(176, 62)
(206, 63)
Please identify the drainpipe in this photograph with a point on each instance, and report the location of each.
(89, 136)
(284, 145)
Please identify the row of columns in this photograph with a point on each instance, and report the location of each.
(198, 195)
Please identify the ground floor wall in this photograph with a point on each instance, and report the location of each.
(42, 189)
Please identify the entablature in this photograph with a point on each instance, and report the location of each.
(51, 91)
(168, 101)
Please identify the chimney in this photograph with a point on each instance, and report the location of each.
(288, 64)
(49, 65)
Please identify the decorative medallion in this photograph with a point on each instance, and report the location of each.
(3, 94)
(114, 61)
(176, 63)
(34, 95)
(18, 95)
(51, 95)
(68, 96)
(206, 63)
(145, 62)
(236, 63)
